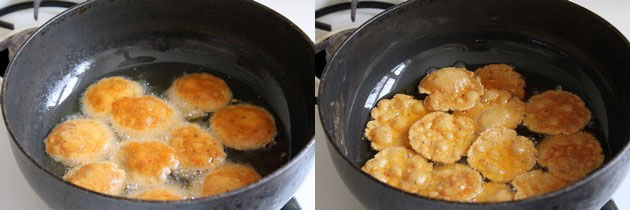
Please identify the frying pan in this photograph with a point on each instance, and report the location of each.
(257, 51)
(557, 42)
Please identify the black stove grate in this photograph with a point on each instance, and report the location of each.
(4, 54)
(321, 55)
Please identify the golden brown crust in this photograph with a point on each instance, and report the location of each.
(147, 162)
(451, 89)
(195, 148)
(453, 182)
(227, 178)
(442, 137)
(104, 177)
(556, 112)
(400, 168)
(243, 127)
(143, 117)
(164, 193)
(570, 157)
(500, 154)
(535, 183)
(502, 77)
(98, 98)
(496, 108)
(391, 120)
(79, 141)
(196, 94)
(494, 192)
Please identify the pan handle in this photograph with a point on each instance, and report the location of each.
(292, 205)
(610, 205)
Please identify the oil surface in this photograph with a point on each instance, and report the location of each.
(157, 78)
(535, 84)
(542, 66)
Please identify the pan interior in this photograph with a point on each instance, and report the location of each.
(406, 61)
(158, 70)
(158, 76)
(543, 68)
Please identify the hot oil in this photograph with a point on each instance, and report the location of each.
(157, 78)
(535, 84)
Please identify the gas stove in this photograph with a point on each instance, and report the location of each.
(335, 23)
(15, 192)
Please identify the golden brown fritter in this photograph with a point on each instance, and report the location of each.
(496, 108)
(243, 127)
(227, 178)
(195, 148)
(453, 182)
(556, 112)
(98, 98)
(502, 77)
(143, 117)
(147, 162)
(500, 154)
(104, 177)
(451, 89)
(401, 168)
(199, 93)
(79, 141)
(570, 157)
(162, 193)
(391, 120)
(494, 192)
(442, 137)
(535, 183)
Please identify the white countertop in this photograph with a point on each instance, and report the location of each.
(331, 191)
(15, 192)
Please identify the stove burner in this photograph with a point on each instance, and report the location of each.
(7, 25)
(9, 46)
(326, 48)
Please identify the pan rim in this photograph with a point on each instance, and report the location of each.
(308, 147)
(538, 198)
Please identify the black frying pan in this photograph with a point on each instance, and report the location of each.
(257, 51)
(550, 41)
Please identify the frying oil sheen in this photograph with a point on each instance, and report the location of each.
(157, 78)
(535, 84)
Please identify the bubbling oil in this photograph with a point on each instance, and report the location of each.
(156, 79)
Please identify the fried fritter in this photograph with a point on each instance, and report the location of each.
(391, 120)
(227, 178)
(494, 192)
(556, 112)
(453, 182)
(451, 88)
(195, 148)
(79, 141)
(570, 157)
(502, 77)
(163, 193)
(98, 98)
(147, 162)
(500, 154)
(243, 127)
(496, 108)
(199, 93)
(104, 177)
(442, 137)
(401, 168)
(143, 117)
(536, 182)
